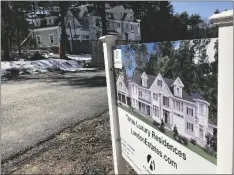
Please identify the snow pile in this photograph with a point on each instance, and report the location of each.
(80, 57)
(41, 66)
(83, 58)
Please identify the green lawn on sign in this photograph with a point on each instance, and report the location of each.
(194, 148)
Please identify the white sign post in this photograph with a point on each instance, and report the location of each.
(108, 42)
(225, 163)
(148, 150)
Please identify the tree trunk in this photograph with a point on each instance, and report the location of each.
(5, 11)
(64, 40)
(102, 11)
(18, 41)
(10, 43)
(6, 46)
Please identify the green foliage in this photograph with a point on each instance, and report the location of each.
(175, 131)
(181, 139)
(156, 123)
(210, 151)
(161, 128)
(193, 141)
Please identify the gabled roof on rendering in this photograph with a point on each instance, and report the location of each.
(137, 80)
(212, 123)
(169, 82)
(198, 96)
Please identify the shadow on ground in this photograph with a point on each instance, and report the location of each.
(64, 79)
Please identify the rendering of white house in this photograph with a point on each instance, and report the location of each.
(165, 99)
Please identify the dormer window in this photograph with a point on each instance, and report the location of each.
(178, 91)
(160, 83)
(120, 84)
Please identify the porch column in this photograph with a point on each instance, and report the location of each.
(225, 150)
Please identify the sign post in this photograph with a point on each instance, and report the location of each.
(225, 92)
(108, 42)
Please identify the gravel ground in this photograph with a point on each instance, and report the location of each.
(83, 149)
(35, 108)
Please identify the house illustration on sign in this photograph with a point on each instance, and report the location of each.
(165, 99)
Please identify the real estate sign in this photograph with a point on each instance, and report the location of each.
(163, 104)
(164, 126)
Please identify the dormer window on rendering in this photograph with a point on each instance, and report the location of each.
(144, 79)
(178, 87)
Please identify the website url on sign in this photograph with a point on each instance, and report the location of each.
(155, 149)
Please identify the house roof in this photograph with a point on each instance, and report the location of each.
(169, 82)
(211, 123)
(197, 95)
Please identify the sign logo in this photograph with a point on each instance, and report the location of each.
(150, 162)
(117, 59)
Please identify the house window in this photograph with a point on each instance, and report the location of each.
(118, 25)
(51, 36)
(178, 91)
(177, 105)
(155, 96)
(189, 126)
(68, 36)
(201, 108)
(140, 93)
(160, 83)
(38, 39)
(165, 101)
(190, 111)
(120, 84)
(156, 111)
(144, 83)
(132, 27)
(87, 36)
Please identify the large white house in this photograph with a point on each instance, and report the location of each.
(165, 99)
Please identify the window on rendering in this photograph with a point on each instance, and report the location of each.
(51, 36)
(177, 105)
(155, 96)
(190, 111)
(119, 96)
(165, 101)
(189, 126)
(156, 111)
(201, 108)
(38, 39)
(140, 93)
(160, 83)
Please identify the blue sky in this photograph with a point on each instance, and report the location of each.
(204, 8)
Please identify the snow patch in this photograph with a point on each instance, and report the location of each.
(41, 66)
